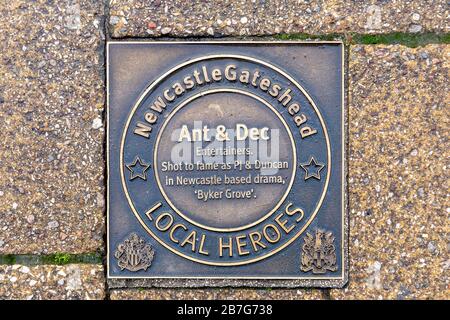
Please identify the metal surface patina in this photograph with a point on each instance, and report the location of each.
(226, 163)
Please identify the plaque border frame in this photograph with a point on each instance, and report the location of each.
(221, 281)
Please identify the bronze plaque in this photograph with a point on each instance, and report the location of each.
(226, 162)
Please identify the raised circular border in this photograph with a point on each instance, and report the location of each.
(204, 93)
(245, 58)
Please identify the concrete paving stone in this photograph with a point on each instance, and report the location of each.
(216, 294)
(398, 173)
(51, 93)
(51, 142)
(51, 282)
(142, 18)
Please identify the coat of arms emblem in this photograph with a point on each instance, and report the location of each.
(318, 252)
(134, 254)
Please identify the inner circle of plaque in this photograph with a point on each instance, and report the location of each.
(229, 209)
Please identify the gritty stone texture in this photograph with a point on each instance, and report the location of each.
(216, 294)
(82, 281)
(51, 105)
(141, 18)
(51, 97)
(398, 175)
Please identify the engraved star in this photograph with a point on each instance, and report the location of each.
(312, 169)
(138, 171)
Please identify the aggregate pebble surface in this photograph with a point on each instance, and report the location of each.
(72, 282)
(216, 294)
(51, 102)
(51, 106)
(398, 173)
(143, 18)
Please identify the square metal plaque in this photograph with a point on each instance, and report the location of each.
(226, 164)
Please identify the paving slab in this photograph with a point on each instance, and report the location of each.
(73, 282)
(398, 173)
(51, 142)
(142, 18)
(216, 294)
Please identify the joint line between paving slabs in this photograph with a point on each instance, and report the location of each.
(51, 259)
(401, 38)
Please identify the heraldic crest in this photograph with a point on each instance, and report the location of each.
(134, 254)
(318, 252)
